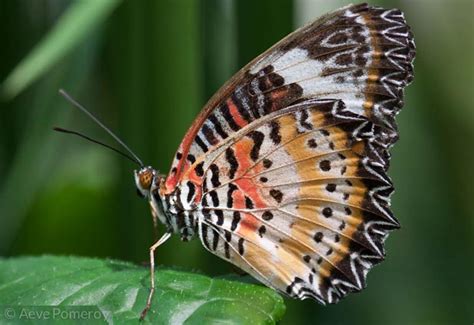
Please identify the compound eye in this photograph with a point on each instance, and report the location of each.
(140, 194)
(146, 177)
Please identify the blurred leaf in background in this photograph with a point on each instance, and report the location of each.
(79, 21)
(30, 156)
(147, 67)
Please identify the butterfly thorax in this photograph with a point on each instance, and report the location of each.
(165, 207)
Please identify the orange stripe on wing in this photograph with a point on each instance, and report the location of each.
(248, 225)
(235, 113)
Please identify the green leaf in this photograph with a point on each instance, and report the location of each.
(119, 290)
(75, 24)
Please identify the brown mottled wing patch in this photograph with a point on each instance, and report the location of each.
(305, 209)
(359, 54)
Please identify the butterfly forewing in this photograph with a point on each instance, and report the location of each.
(360, 54)
(285, 168)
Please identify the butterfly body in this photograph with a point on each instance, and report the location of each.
(284, 171)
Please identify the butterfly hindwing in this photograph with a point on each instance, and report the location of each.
(305, 203)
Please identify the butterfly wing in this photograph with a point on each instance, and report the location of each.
(285, 168)
(298, 200)
(360, 54)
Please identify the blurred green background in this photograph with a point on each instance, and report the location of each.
(147, 67)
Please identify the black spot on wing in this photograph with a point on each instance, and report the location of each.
(275, 132)
(209, 134)
(325, 165)
(304, 120)
(191, 158)
(218, 126)
(205, 240)
(199, 169)
(228, 117)
(327, 212)
(215, 239)
(318, 237)
(277, 195)
(228, 238)
(262, 230)
(232, 161)
(201, 143)
(215, 198)
(248, 203)
(235, 220)
(191, 191)
(267, 215)
(267, 163)
(230, 191)
(241, 246)
(312, 143)
(296, 281)
(331, 187)
(215, 175)
(220, 217)
(257, 138)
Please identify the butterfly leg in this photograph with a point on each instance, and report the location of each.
(154, 215)
(163, 238)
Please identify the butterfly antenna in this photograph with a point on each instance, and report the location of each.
(95, 141)
(96, 120)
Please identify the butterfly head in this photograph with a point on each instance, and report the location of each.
(144, 180)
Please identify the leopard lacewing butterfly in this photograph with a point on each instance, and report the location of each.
(284, 171)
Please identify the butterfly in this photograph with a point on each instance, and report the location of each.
(284, 171)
